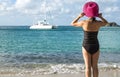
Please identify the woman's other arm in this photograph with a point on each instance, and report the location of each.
(103, 21)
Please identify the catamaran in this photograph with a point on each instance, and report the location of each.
(44, 23)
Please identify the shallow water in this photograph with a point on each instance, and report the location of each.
(21, 47)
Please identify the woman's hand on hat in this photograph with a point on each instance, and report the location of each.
(81, 14)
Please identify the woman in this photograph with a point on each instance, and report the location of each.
(90, 45)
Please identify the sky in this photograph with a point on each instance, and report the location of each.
(58, 12)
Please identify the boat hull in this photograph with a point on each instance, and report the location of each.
(41, 27)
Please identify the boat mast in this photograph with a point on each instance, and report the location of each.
(45, 6)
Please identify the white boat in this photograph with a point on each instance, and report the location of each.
(42, 25)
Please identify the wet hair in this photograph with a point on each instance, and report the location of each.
(93, 19)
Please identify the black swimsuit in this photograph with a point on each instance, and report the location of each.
(90, 42)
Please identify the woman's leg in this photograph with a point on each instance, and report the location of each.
(87, 60)
(95, 58)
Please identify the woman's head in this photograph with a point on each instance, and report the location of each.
(91, 9)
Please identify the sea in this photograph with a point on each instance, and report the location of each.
(53, 51)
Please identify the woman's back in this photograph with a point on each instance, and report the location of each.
(90, 25)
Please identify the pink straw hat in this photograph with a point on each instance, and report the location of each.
(91, 9)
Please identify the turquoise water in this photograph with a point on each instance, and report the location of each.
(21, 46)
(61, 45)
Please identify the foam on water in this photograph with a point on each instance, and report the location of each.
(43, 69)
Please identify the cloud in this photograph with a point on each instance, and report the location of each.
(104, 0)
(58, 8)
(2, 6)
(39, 6)
(5, 7)
(22, 3)
(111, 9)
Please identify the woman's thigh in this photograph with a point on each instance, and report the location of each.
(87, 57)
